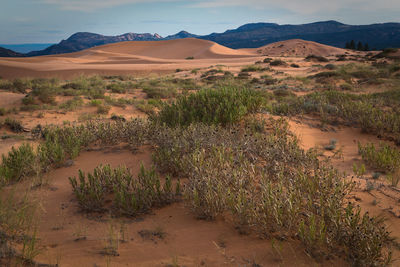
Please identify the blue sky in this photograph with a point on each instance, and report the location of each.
(49, 21)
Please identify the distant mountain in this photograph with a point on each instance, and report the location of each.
(9, 53)
(25, 48)
(333, 33)
(181, 35)
(378, 36)
(83, 40)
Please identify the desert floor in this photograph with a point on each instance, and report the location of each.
(68, 237)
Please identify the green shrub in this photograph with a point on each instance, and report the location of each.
(294, 65)
(131, 196)
(14, 125)
(119, 88)
(103, 109)
(158, 93)
(224, 105)
(72, 104)
(277, 62)
(268, 185)
(316, 58)
(18, 164)
(383, 158)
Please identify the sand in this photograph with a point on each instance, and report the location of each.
(297, 47)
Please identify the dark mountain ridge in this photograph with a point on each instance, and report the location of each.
(252, 35)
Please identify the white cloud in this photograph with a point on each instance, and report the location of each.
(303, 7)
(91, 5)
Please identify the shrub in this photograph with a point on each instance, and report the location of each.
(253, 68)
(316, 58)
(18, 164)
(278, 62)
(131, 196)
(384, 158)
(103, 109)
(294, 65)
(189, 58)
(224, 105)
(158, 93)
(119, 88)
(14, 125)
(268, 185)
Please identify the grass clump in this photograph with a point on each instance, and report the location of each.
(224, 105)
(14, 125)
(316, 58)
(384, 158)
(253, 68)
(277, 62)
(18, 164)
(131, 196)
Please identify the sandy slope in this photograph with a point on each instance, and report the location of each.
(128, 57)
(296, 47)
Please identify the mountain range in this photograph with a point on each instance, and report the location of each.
(378, 36)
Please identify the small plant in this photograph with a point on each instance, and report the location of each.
(14, 125)
(189, 58)
(332, 145)
(294, 65)
(18, 164)
(316, 58)
(131, 196)
(277, 62)
(103, 109)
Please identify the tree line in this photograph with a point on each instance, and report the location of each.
(360, 46)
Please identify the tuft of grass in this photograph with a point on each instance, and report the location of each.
(18, 164)
(14, 125)
(131, 196)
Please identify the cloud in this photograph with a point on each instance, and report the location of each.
(92, 5)
(304, 7)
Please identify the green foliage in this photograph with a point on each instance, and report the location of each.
(383, 158)
(131, 196)
(18, 164)
(103, 109)
(253, 68)
(268, 185)
(277, 62)
(72, 104)
(316, 58)
(14, 125)
(159, 93)
(224, 105)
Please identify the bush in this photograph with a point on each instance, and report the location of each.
(278, 62)
(119, 88)
(103, 109)
(159, 93)
(268, 185)
(131, 197)
(294, 65)
(224, 105)
(14, 125)
(316, 58)
(18, 164)
(384, 158)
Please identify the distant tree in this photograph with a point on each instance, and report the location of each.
(366, 47)
(352, 44)
(347, 46)
(360, 46)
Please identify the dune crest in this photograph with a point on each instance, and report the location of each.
(297, 47)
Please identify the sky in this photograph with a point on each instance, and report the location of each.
(50, 21)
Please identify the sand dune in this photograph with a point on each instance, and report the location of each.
(153, 56)
(128, 57)
(296, 47)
